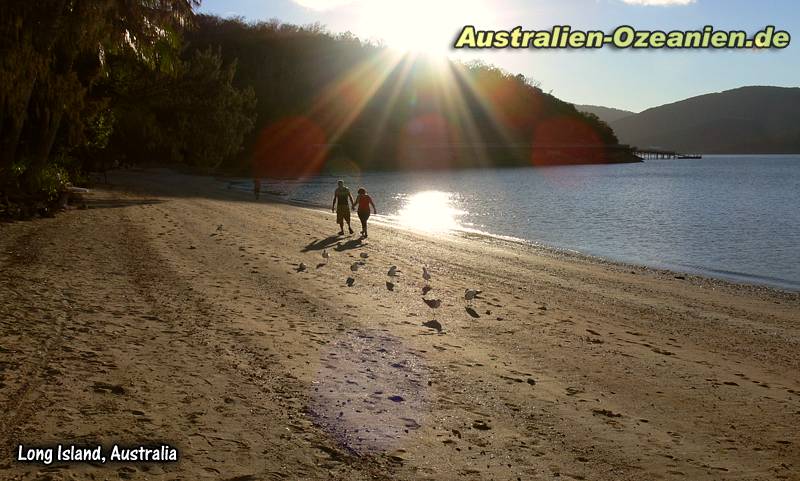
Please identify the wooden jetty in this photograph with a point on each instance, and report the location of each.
(663, 154)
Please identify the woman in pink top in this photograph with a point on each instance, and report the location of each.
(364, 201)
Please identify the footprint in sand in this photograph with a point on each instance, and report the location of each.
(102, 387)
(572, 391)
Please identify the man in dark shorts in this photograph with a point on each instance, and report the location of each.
(342, 200)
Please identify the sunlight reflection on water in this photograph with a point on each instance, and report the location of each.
(734, 217)
(429, 211)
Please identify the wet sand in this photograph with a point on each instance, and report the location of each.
(173, 311)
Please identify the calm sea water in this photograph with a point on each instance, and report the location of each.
(734, 217)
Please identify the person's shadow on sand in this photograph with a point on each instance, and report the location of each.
(319, 244)
(351, 244)
(332, 242)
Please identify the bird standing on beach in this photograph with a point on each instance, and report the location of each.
(392, 271)
(354, 266)
(433, 304)
(350, 281)
(301, 267)
(470, 294)
(425, 274)
(325, 254)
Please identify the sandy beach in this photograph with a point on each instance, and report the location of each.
(173, 311)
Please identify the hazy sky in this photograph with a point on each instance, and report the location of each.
(633, 80)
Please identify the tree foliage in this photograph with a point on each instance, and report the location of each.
(53, 53)
(373, 109)
(191, 114)
(71, 69)
(87, 83)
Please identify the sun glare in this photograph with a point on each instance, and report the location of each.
(430, 211)
(421, 26)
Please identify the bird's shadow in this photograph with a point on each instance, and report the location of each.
(472, 312)
(433, 324)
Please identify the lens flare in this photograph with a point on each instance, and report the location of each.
(371, 392)
(426, 142)
(291, 147)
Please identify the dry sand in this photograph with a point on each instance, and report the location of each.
(173, 311)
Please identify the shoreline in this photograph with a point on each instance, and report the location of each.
(742, 280)
(172, 311)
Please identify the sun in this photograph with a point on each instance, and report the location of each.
(421, 26)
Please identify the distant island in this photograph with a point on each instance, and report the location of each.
(746, 120)
(606, 114)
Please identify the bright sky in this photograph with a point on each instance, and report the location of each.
(631, 80)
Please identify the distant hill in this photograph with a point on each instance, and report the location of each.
(746, 120)
(606, 114)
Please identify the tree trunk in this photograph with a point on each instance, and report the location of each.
(10, 143)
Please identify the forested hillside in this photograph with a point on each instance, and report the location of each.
(91, 85)
(85, 85)
(747, 120)
(333, 101)
(606, 114)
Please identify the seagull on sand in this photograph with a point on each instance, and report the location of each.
(354, 266)
(392, 271)
(433, 303)
(425, 274)
(325, 254)
(470, 294)
(301, 267)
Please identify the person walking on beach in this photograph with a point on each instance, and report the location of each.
(363, 200)
(257, 187)
(340, 203)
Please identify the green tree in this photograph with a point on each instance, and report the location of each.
(53, 51)
(191, 114)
